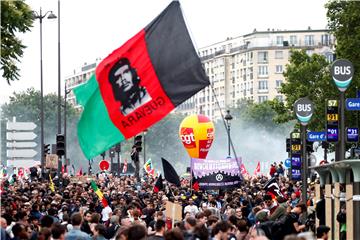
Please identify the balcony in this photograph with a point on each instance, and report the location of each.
(263, 91)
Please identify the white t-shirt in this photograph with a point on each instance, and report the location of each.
(192, 209)
(105, 213)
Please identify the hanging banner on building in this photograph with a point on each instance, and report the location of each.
(215, 174)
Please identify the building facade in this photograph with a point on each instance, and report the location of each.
(250, 67)
(77, 78)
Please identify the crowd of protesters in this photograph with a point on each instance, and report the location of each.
(31, 210)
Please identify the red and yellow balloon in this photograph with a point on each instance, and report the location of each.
(197, 134)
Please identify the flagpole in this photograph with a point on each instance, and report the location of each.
(191, 178)
(222, 117)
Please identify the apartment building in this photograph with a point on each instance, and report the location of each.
(251, 67)
(78, 77)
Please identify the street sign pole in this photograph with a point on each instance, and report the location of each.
(304, 109)
(342, 72)
(304, 163)
(342, 126)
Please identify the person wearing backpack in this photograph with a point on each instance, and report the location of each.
(289, 223)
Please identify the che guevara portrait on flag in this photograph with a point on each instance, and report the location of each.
(126, 87)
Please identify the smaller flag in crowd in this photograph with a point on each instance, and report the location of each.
(195, 183)
(80, 172)
(99, 193)
(244, 172)
(149, 167)
(257, 169)
(159, 184)
(124, 170)
(51, 185)
(170, 173)
(272, 187)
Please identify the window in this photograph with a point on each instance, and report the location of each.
(279, 69)
(279, 55)
(263, 85)
(293, 40)
(279, 40)
(309, 40)
(262, 57)
(262, 99)
(325, 39)
(263, 70)
(278, 83)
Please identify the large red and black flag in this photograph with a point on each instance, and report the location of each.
(170, 173)
(139, 83)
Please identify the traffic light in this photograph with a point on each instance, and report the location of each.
(309, 147)
(112, 152)
(60, 145)
(325, 144)
(118, 148)
(288, 145)
(103, 155)
(46, 149)
(138, 143)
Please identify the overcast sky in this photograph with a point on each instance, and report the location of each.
(92, 29)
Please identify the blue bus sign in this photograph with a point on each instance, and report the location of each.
(353, 104)
(296, 174)
(332, 134)
(316, 136)
(352, 134)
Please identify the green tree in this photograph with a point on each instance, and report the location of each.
(344, 23)
(259, 115)
(16, 17)
(306, 76)
(25, 106)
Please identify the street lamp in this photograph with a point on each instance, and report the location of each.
(66, 92)
(40, 16)
(228, 118)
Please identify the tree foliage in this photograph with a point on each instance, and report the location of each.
(259, 115)
(25, 106)
(16, 17)
(310, 75)
(306, 76)
(344, 23)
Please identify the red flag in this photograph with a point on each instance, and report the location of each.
(243, 170)
(257, 169)
(80, 173)
(159, 184)
(196, 186)
(195, 183)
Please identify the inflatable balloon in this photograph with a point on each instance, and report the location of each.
(197, 134)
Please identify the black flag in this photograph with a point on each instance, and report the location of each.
(273, 188)
(159, 184)
(170, 174)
